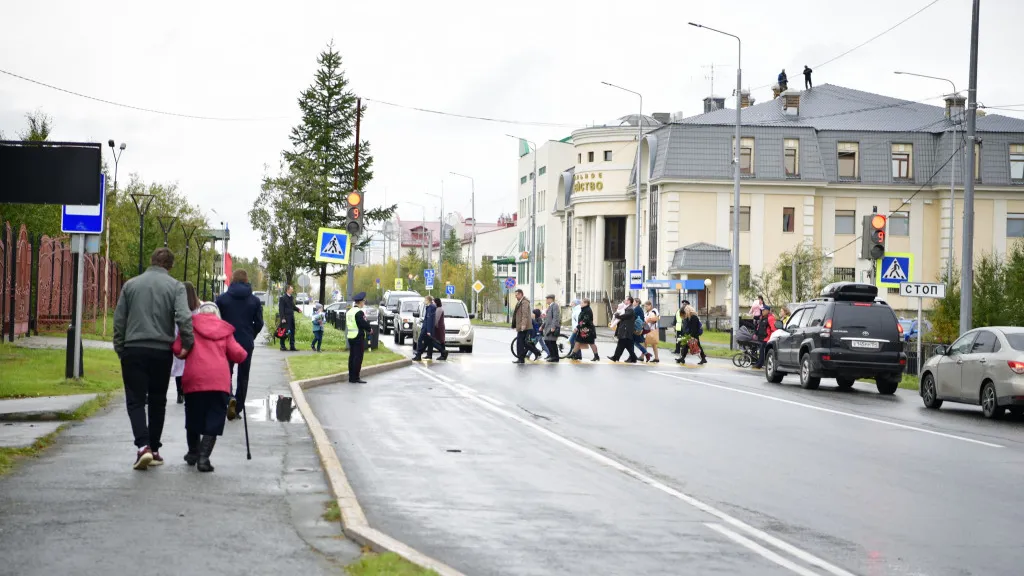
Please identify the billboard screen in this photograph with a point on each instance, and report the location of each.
(49, 173)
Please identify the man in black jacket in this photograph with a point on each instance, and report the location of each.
(240, 308)
(624, 332)
(286, 310)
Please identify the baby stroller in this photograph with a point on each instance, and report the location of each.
(750, 348)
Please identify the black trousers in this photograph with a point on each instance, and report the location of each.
(686, 349)
(356, 346)
(147, 375)
(807, 83)
(290, 327)
(624, 345)
(552, 346)
(524, 345)
(242, 383)
(425, 345)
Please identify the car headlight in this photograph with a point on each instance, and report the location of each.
(464, 331)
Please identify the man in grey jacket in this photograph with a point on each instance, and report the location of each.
(149, 308)
(552, 327)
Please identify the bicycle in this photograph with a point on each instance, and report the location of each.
(561, 344)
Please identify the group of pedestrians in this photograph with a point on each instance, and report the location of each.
(432, 331)
(159, 326)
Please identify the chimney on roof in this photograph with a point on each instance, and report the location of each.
(712, 103)
(663, 117)
(745, 100)
(791, 102)
(955, 105)
(677, 116)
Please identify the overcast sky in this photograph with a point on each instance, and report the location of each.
(528, 61)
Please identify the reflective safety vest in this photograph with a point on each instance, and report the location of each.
(679, 321)
(351, 326)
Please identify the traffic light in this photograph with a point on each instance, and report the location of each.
(873, 238)
(355, 213)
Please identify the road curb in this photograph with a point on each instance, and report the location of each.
(343, 376)
(353, 520)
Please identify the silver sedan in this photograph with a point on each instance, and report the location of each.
(984, 366)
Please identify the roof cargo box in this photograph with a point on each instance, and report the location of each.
(850, 291)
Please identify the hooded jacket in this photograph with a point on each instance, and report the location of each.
(207, 367)
(240, 308)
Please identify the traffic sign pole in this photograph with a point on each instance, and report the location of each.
(919, 333)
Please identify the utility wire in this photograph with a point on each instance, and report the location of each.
(129, 106)
(868, 41)
(470, 117)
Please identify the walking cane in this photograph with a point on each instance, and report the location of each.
(245, 421)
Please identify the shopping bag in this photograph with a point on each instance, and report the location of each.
(694, 346)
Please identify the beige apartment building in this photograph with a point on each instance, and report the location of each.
(813, 164)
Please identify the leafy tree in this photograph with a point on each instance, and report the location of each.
(775, 282)
(451, 250)
(39, 127)
(323, 156)
(37, 218)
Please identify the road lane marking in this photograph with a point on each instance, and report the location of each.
(489, 399)
(761, 550)
(600, 458)
(830, 410)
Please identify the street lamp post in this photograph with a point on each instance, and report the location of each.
(188, 231)
(639, 139)
(472, 209)
(967, 229)
(533, 221)
(201, 245)
(440, 234)
(952, 169)
(707, 302)
(166, 225)
(116, 153)
(142, 202)
(735, 316)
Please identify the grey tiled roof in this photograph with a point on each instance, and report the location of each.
(702, 256)
(830, 107)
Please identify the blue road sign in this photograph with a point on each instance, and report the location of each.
(636, 279)
(428, 278)
(894, 269)
(378, 282)
(84, 219)
(510, 283)
(332, 246)
(449, 290)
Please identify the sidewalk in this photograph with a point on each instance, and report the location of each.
(81, 509)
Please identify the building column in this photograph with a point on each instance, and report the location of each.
(631, 244)
(599, 228)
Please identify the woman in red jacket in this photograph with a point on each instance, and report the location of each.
(207, 383)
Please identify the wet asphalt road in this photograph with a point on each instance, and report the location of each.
(658, 469)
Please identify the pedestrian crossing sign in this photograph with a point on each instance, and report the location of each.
(332, 246)
(893, 269)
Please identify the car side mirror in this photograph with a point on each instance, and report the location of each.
(382, 303)
(415, 314)
(940, 350)
(472, 316)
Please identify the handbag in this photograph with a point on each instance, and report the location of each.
(694, 346)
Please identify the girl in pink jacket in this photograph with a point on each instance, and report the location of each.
(206, 383)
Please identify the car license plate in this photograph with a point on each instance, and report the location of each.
(864, 344)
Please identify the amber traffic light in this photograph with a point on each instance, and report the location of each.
(873, 237)
(354, 226)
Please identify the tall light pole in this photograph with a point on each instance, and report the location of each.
(116, 153)
(967, 285)
(472, 254)
(142, 202)
(639, 139)
(533, 221)
(440, 234)
(735, 316)
(952, 169)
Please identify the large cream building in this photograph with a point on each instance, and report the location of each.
(813, 164)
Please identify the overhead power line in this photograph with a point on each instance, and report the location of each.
(470, 117)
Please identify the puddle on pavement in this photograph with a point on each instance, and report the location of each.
(273, 408)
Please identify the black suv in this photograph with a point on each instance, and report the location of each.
(388, 310)
(846, 334)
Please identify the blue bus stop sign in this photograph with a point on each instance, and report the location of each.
(84, 219)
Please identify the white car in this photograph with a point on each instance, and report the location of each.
(458, 326)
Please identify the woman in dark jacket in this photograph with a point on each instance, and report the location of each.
(624, 333)
(439, 334)
(691, 323)
(586, 333)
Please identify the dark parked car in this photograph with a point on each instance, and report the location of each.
(845, 334)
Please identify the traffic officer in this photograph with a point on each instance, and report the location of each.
(356, 328)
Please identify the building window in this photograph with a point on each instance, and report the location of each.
(523, 272)
(652, 234)
(607, 155)
(522, 180)
(542, 171)
(540, 253)
(893, 291)
(1015, 225)
(590, 156)
(899, 224)
(847, 159)
(792, 157)
(977, 162)
(744, 276)
(744, 219)
(541, 200)
(579, 158)
(746, 155)
(788, 215)
(844, 221)
(901, 161)
(531, 175)
(1017, 162)
(844, 274)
